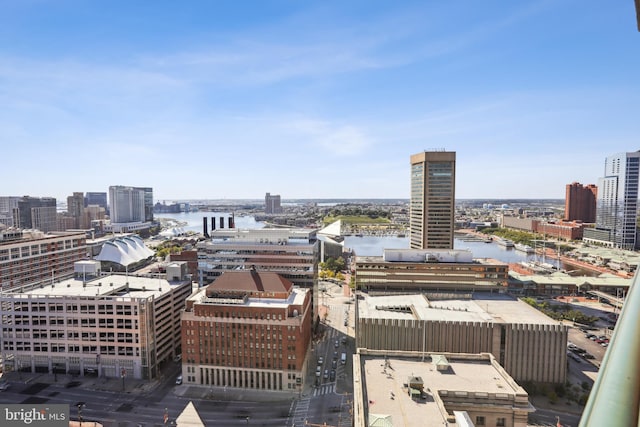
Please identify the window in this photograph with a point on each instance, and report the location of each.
(480, 421)
(501, 422)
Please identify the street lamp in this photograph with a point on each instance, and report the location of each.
(80, 413)
(123, 373)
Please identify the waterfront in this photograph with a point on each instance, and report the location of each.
(366, 245)
(192, 221)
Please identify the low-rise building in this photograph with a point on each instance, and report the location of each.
(439, 270)
(248, 329)
(109, 326)
(291, 253)
(414, 389)
(528, 344)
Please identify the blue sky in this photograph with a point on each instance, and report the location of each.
(326, 99)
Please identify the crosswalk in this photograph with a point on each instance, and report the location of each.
(299, 414)
(324, 389)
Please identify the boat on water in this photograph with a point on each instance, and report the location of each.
(539, 267)
(505, 242)
(524, 248)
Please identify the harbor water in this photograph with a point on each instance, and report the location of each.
(369, 245)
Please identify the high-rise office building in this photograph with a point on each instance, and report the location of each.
(8, 204)
(580, 202)
(130, 204)
(36, 212)
(617, 203)
(432, 203)
(148, 203)
(272, 204)
(75, 208)
(96, 198)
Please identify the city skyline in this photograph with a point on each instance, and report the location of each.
(220, 101)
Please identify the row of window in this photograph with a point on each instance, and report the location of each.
(55, 348)
(123, 310)
(74, 322)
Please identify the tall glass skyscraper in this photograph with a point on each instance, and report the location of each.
(432, 203)
(617, 203)
(131, 204)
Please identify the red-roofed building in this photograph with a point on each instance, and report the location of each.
(247, 329)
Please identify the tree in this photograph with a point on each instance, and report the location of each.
(333, 264)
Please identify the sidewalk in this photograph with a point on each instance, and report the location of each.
(91, 383)
(230, 393)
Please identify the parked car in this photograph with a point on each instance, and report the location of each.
(179, 380)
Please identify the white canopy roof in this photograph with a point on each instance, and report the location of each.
(124, 250)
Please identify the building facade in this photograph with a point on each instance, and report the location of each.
(8, 205)
(617, 203)
(75, 208)
(39, 213)
(580, 202)
(130, 204)
(432, 200)
(529, 345)
(402, 270)
(247, 329)
(31, 256)
(110, 326)
(96, 198)
(272, 204)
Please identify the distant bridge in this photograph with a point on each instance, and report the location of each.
(614, 301)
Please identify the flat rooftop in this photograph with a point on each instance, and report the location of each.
(385, 385)
(114, 285)
(296, 297)
(481, 308)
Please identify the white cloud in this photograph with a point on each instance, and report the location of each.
(338, 140)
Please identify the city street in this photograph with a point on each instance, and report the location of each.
(136, 403)
(330, 401)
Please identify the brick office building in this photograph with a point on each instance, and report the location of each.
(247, 329)
(580, 202)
